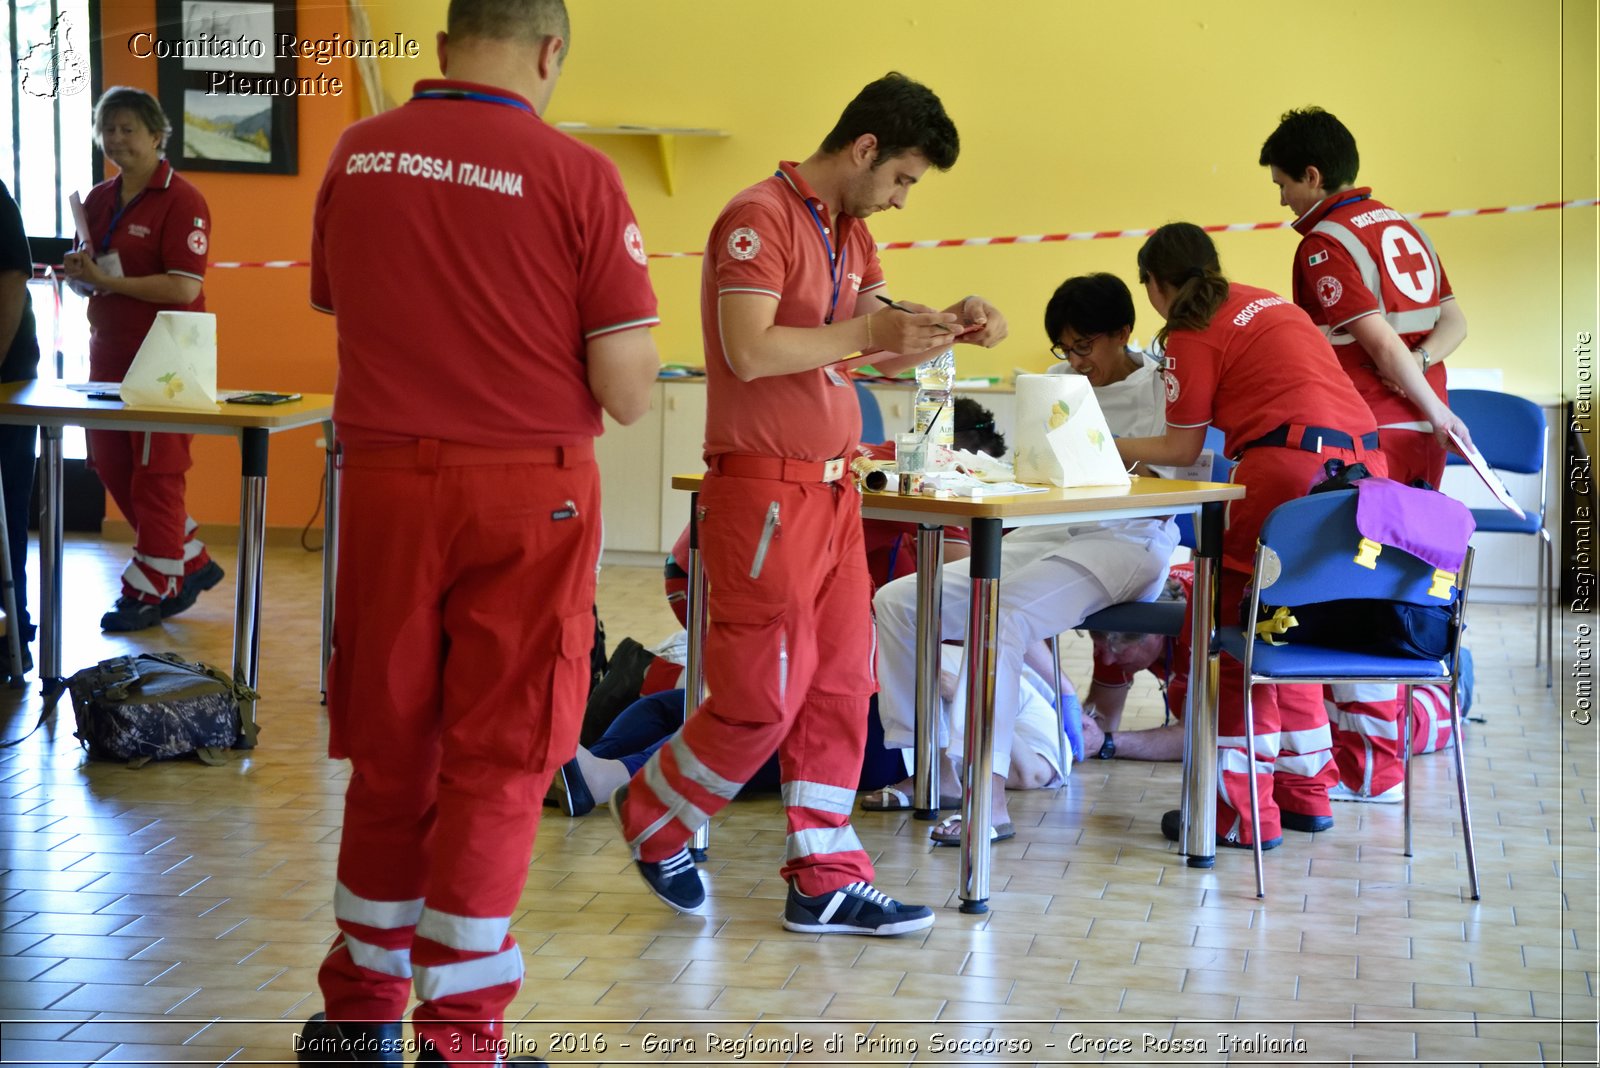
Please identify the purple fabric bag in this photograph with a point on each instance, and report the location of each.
(1425, 523)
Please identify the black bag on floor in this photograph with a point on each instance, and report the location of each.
(157, 705)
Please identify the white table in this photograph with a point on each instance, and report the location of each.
(985, 517)
(52, 406)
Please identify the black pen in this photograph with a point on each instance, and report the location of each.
(897, 306)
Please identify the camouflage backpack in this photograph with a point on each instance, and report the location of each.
(158, 705)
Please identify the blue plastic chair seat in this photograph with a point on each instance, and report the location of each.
(1500, 521)
(1138, 617)
(1309, 661)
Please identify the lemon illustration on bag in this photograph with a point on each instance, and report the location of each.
(173, 383)
(1059, 414)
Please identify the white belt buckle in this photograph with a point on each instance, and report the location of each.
(833, 470)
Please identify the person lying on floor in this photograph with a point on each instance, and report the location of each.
(1039, 760)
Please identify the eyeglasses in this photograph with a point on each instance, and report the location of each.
(1080, 348)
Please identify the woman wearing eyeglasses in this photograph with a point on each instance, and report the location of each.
(1254, 365)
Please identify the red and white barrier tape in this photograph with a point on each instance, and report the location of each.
(1082, 235)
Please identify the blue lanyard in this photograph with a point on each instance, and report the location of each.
(470, 94)
(117, 215)
(1346, 200)
(837, 263)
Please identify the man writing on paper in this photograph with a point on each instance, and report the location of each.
(786, 302)
(470, 528)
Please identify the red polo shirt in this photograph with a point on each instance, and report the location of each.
(774, 239)
(1358, 257)
(470, 251)
(1259, 365)
(165, 230)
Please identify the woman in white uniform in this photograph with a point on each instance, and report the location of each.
(1051, 577)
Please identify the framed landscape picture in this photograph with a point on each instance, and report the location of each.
(227, 86)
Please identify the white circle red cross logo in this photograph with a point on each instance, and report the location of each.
(634, 240)
(744, 243)
(197, 242)
(1408, 263)
(1329, 290)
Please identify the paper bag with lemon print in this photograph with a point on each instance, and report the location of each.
(176, 367)
(1062, 437)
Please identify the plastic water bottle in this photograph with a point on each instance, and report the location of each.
(935, 407)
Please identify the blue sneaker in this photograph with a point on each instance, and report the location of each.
(675, 880)
(858, 908)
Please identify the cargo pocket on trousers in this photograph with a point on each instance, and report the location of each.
(748, 635)
(569, 687)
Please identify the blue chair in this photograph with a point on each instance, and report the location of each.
(872, 432)
(1512, 434)
(1307, 554)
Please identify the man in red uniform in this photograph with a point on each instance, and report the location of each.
(786, 302)
(466, 415)
(1374, 285)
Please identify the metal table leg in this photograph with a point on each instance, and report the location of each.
(50, 560)
(252, 552)
(330, 550)
(694, 673)
(930, 607)
(982, 624)
(1197, 836)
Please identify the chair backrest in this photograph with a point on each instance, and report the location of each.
(1316, 542)
(1508, 430)
(1221, 466)
(872, 432)
(1221, 471)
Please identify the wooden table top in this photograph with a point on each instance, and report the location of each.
(48, 403)
(1154, 494)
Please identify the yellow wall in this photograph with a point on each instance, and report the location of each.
(1093, 116)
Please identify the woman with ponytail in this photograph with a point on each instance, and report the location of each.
(1254, 365)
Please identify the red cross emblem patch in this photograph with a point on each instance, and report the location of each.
(1329, 290)
(197, 242)
(744, 243)
(634, 240)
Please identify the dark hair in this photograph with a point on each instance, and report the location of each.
(146, 108)
(905, 116)
(1090, 304)
(528, 21)
(974, 429)
(1181, 257)
(1312, 137)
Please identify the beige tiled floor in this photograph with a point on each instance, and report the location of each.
(176, 914)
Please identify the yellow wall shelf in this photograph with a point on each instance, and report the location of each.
(666, 140)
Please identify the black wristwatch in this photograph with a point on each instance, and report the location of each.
(1108, 748)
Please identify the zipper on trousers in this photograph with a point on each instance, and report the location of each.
(768, 529)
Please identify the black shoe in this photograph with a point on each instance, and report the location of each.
(859, 908)
(1299, 821)
(324, 1042)
(576, 800)
(1169, 830)
(675, 880)
(194, 584)
(130, 613)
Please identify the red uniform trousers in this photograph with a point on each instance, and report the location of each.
(460, 665)
(1366, 726)
(789, 656)
(1293, 762)
(149, 492)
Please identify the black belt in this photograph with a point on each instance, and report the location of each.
(1311, 439)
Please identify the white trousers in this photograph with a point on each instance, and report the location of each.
(1051, 578)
